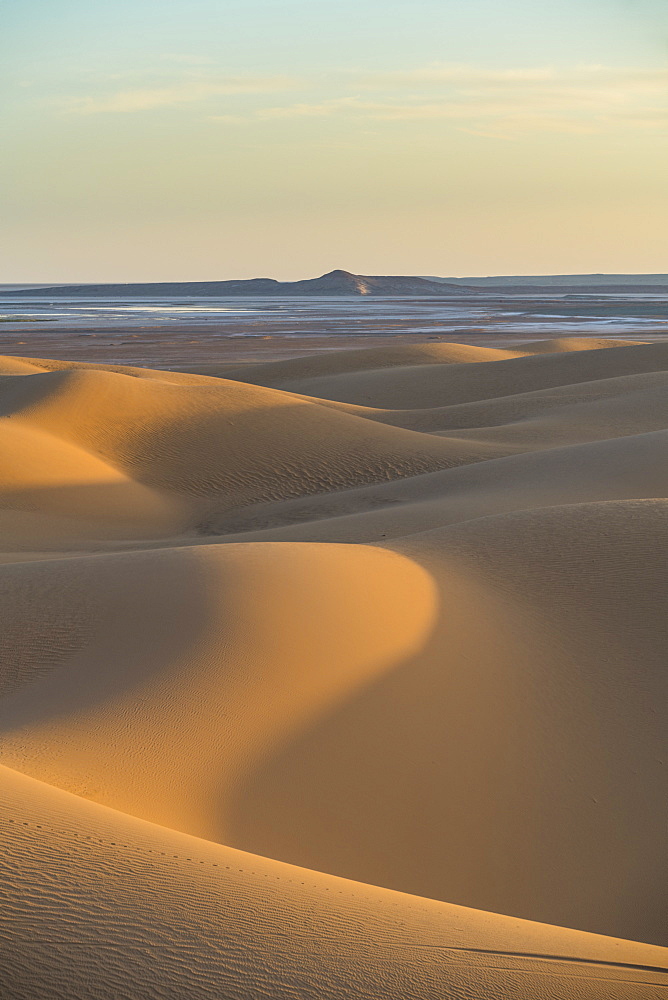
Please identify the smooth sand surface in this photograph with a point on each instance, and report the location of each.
(335, 677)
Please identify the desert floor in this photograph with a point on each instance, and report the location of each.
(335, 676)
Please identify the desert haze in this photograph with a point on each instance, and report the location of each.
(337, 676)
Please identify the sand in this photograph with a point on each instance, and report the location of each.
(339, 677)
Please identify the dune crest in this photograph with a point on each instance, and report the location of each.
(338, 677)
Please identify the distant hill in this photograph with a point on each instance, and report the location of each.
(345, 283)
(21, 288)
(334, 283)
(557, 283)
(561, 279)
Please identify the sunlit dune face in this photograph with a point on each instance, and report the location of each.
(346, 644)
(333, 674)
(283, 635)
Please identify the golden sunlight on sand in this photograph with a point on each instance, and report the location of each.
(336, 677)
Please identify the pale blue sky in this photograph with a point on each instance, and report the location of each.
(218, 138)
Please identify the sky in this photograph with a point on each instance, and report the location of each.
(149, 140)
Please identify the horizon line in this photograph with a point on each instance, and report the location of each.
(264, 277)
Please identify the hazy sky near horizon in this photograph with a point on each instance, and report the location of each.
(204, 139)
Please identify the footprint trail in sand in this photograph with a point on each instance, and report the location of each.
(338, 677)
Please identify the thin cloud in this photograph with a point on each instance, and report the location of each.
(187, 58)
(333, 106)
(576, 99)
(188, 92)
(464, 76)
(437, 74)
(583, 99)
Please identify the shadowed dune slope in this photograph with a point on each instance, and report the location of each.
(403, 355)
(335, 697)
(128, 909)
(568, 344)
(433, 384)
(219, 439)
(616, 469)
(259, 692)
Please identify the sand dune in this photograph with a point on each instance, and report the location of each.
(618, 469)
(355, 693)
(433, 384)
(136, 910)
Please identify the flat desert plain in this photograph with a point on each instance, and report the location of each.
(336, 677)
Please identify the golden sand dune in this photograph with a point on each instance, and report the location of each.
(182, 450)
(435, 384)
(403, 355)
(134, 910)
(298, 695)
(619, 469)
